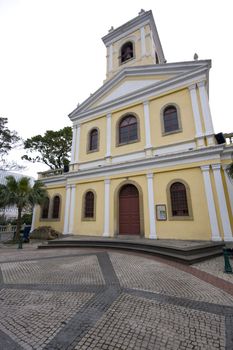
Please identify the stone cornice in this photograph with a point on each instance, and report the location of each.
(187, 157)
(142, 94)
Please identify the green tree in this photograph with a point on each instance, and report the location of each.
(22, 194)
(52, 149)
(8, 140)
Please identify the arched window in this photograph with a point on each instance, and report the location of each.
(170, 119)
(127, 52)
(56, 207)
(179, 202)
(45, 209)
(89, 205)
(128, 129)
(93, 140)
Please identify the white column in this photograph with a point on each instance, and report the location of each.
(151, 205)
(67, 210)
(148, 145)
(72, 208)
(108, 136)
(77, 144)
(106, 207)
(34, 217)
(230, 189)
(215, 234)
(73, 143)
(222, 203)
(209, 129)
(196, 114)
(143, 42)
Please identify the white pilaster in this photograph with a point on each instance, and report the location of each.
(230, 189)
(110, 54)
(143, 42)
(147, 124)
(72, 208)
(106, 207)
(34, 217)
(209, 129)
(215, 234)
(67, 210)
(73, 143)
(196, 114)
(77, 144)
(108, 135)
(151, 205)
(222, 203)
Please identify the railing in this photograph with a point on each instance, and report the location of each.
(229, 138)
(7, 228)
(7, 232)
(50, 173)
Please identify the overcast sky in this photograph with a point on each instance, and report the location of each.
(52, 56)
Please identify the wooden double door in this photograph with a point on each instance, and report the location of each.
(129, 211)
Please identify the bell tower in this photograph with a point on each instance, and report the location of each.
(135, 43)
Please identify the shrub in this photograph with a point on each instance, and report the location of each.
(45, 233)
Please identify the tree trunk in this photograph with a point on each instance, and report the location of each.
(18, 226)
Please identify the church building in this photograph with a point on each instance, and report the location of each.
(145, 159)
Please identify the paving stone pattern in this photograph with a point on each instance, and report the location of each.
(100, 300)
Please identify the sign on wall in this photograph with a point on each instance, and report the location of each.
(161, 212)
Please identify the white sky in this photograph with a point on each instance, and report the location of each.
(52, 55)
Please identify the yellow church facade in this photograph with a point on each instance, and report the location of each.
(145, 160)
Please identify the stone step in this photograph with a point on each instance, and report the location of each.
(187, 255)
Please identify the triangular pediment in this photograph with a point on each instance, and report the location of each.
(135, 80)
(125, 87)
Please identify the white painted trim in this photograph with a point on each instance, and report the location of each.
(77, 144)
(67, 211)
(215, 234)
(72, 208)
(196, 113)
(147, 124)
(110, 58)
(229, 189)
(34, 217)
(73, 143)
(184, 146)
(169, 160)
(209, 129)
(106, 207)
(92, 164)
(151, 205)
(143, 43)
(108, 135)
(222, 203)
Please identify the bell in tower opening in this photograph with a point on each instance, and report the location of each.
(126, 52)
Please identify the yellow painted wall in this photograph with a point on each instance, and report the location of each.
(227, 199)
(198, 228)
(99, 123)
(81, 226)
(182, 99)
(56, 224)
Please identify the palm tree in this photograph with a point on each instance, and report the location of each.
(22, 194)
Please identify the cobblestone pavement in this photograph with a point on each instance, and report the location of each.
(215, 267)
(97, 300)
